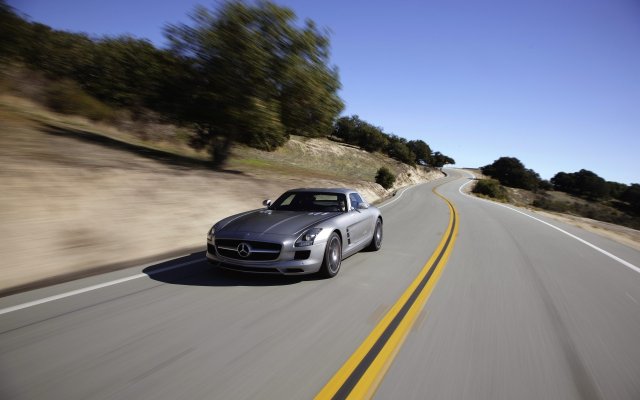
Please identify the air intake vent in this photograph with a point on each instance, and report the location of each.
(302, 255)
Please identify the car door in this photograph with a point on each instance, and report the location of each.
(358, 228)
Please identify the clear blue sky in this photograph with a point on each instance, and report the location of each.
(555, 83)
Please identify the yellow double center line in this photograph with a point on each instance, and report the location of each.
(362, 373)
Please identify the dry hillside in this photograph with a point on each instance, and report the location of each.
(525, 198)
(78, 196)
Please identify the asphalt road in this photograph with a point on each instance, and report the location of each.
(520, 311)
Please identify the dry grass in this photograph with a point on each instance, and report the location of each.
(520, 197)
(77, 195)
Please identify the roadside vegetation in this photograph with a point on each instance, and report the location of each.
(246, 73)
(371, 138)
(385, 178)
(82, 197)
(491, 188)
(114, 150)
(582, 193)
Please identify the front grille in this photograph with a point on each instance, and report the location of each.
(260, 251)
(256, 245)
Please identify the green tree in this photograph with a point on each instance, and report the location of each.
(131, 72)
(421, 150)
(583, 183)
(545, 185)
(309, 100)
(355, 131)
(257, 76)
(346, 128)
(58, 54)
(14, 32)
(439, 160)
(398, 149)
(564, 182)
(632, 196)
(121, 71)
(616, 189)
(511, 172)
(591, 185)
(372, 138)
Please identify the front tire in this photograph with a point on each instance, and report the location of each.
(332, 257)
(376, 240)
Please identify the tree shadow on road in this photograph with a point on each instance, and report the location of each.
(161, 156)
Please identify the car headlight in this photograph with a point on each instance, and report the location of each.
(307, 238)
(211, 232)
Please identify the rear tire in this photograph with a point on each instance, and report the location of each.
(332, 257)
(376, 240)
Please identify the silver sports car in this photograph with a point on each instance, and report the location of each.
(304, 231)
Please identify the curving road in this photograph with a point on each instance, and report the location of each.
(520, 311)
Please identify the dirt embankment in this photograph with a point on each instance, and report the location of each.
(72, 201)
(328, 161)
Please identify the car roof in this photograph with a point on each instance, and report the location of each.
(323, 190)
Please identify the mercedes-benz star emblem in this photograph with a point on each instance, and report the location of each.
(244, 250)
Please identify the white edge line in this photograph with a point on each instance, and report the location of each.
(593, 246)
(407, 188)
(90, 288)
(397, 198)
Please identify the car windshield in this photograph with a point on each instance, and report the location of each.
(310, 201)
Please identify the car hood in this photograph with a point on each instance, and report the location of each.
(273, 222)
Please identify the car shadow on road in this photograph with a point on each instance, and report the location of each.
(195, 270)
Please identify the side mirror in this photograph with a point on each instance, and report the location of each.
(267, 203)
(363, 206)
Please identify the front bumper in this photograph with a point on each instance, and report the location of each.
(291, 260)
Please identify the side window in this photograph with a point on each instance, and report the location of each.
(288, 200)
(355, 200)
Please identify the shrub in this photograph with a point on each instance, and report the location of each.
(547, 204)
(511, 172)
(67, 97)
(491, 188)
(385, 178)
